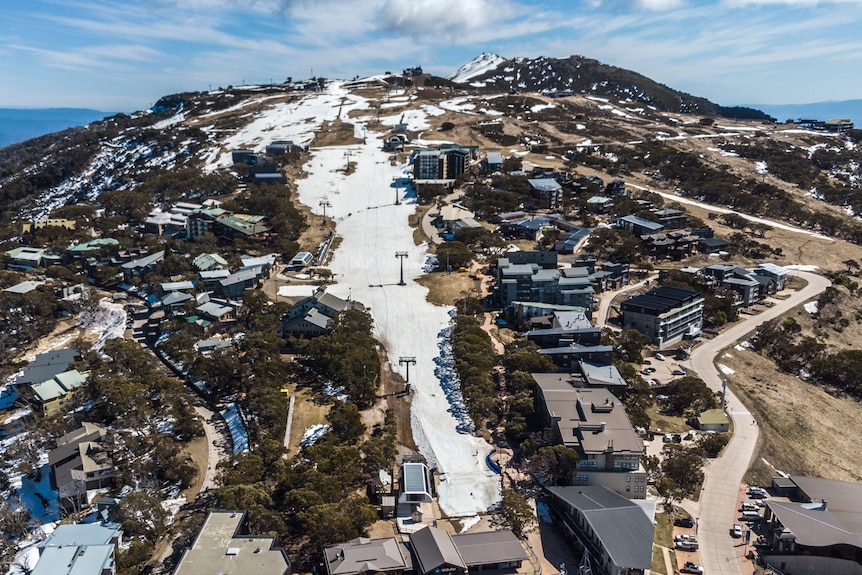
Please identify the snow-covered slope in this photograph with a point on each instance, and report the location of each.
(476, 67)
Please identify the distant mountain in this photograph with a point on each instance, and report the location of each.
(19, 124)
(586, 76)
(851, 109)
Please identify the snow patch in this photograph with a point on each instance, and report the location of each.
(724, 369)
(811, 307)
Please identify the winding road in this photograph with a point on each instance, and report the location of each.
(716, 509)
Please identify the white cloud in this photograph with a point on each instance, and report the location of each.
(449, 18)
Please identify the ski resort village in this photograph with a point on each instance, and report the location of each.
(499, 322)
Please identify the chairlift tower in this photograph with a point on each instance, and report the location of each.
(409, 360)
(324, 203)
(401, 256)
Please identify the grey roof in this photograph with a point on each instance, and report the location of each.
(434, 548)
(494, 158)
(82, 534)
(145, 261)
(24, 287)
(843, 498)
(240, 277)
(545, 184)
(602, 374)
(362, 555)
(176, 298)
(592, 419)
(48, 364)
(489, 547)
(177, 286)
(215, 274)
(643, 223)
(214, 309)
(415, 478)
(75, 560)
(219, 548)
(625, 531)
(576, 349)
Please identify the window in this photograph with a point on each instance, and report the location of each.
(628, 478)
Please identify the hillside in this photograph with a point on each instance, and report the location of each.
(579, 75)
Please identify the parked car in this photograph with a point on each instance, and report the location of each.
(690, 567)
(679, 372)
(659, 357)
(684, 522)
(749, 507)
(654, 382)
(736, 530)
(647, 362)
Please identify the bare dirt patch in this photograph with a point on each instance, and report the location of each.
(307, 411)
(446, 288)
(336, 133)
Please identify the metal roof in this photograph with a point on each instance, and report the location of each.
(489, 547)
(434, 548)
(362, 555)
(415, 478)
(622, 527)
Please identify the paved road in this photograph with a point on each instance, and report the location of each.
(716, 510)
(218, 443)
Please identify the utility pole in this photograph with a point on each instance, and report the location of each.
(324, 203)
(401, 256)
(397, 195)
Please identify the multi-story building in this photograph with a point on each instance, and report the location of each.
(616, 534)
(593, 422)
(666, 314)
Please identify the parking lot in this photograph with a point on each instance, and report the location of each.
(658, 372)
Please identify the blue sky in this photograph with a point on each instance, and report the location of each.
(123, 56)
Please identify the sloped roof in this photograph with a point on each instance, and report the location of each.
(205, 262)
(145, 261)
(434, 548)
(489, 547)
(362, 555)
(625, 531)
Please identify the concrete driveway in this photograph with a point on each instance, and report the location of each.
(716, 510)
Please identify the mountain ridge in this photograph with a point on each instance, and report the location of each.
(587, 76)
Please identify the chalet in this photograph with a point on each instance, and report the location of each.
(206, 262)
(80, 463)
(493, 162)
(80, 549)
(47, 365)
(314, 315)
(265, 175)
(429, 551)
(547, 190)
(49, 396)
(142, 266)
(30, 258)
(165, 223)
(280, 147)
(241, 226)
(599, 204)
(236, 283)
(638, 226)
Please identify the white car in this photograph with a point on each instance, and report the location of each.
(659, 357)
(736, 531)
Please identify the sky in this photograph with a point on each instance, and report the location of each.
(123, 56)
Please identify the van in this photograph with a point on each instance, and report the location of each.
(749, 516)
